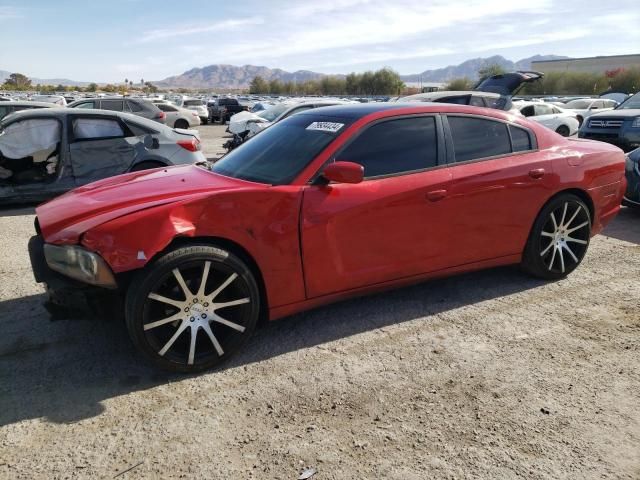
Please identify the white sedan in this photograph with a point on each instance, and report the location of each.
(585, 107)
(551, 116)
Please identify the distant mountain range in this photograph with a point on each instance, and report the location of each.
(233, 77)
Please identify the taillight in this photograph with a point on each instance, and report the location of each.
(161, 115)
(193, 145)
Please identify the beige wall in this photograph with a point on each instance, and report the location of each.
(592, 65)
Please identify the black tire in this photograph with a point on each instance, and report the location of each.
(223, 120)
(552, 252)
(147, 165)
(563, 130)
(181, 123)
(168, 345)
(205, 121)
(580, 120)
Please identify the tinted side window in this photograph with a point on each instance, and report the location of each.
(395, 146)
(478, 138)
(85, 105)
(133, 106)
(520, 139)
(115, 105)
(476, 101)
(4, 111)
(462, 100)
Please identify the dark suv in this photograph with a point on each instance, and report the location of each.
(137, 106)
(620, 126)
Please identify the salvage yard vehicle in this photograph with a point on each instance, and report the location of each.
(178, 117)
(58, 100)
(137, 106)
(561, 121)
(493, 92)
(620, 126)
(44, 153)
(196, 105)
(328, 204)
(585, 107)
(632, 195)
(221, 109)
(15, 106)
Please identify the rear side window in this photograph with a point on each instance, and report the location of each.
(139, 130)
(96, 128)
(4, 111)
(395, 146)
(133, 106)
(475, 138)
(461, 100)
(520, 139)
(85, 105)
(166, 108)
(115, 105)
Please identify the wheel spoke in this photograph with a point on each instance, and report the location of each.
(176, 303)
(217, 306)
(578, 227)
(564, 213)
(192, 344)
(181, 282)
(164, 321)
(205, 276)
(226, 283)
(547, 234)
(219, 319)
(574, 216)
(172, 340)
(553, 219)
(207, 328)
(576, 240)
(544, 252)
(553, 256)
(561, 255)
(568, 249)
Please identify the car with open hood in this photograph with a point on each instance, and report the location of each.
(46, 152)
(327, 204)
(493, 92)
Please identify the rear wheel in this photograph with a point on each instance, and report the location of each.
(193, 308)
(580, 120)
(181, 123)
(563, 130)
(559, 238)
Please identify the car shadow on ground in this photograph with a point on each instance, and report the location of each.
(17, 211)
(626, 226)
(63, 370)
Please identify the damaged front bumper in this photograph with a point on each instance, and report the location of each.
(64, 293)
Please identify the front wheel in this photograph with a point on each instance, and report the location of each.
(559, 238)
(563, 130)
(192, 308)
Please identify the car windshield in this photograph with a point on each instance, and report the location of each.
(578, 104)
(270, 114)
(278, 154)
(630, 103)
(193, 103)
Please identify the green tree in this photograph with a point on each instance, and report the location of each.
(258, 85)
(17, 81)
(459, 84)
(488, 70)
(92, 87)
(276, 86)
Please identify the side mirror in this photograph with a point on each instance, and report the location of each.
(343, 172)
(150, 143)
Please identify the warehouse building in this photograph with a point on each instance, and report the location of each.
(588, 64)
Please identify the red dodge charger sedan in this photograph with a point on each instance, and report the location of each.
(328, 204)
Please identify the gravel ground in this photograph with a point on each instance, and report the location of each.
(485, 375)
(213, 137)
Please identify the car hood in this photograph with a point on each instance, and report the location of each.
(507, 83)
(63, 219)
(629, 112)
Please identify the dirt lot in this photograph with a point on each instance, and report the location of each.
(488, 375)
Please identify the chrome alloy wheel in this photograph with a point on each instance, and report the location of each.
(565, 237)
(197, 299)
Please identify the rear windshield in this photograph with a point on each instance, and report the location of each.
(630, 103)
(193, 103)
(278, 154)
(227, 101)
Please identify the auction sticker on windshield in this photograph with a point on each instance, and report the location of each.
(331, 127)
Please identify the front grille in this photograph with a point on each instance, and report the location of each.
(602, 136)
(605, 123)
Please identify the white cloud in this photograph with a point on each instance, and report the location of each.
(182, 30)
(8, 13)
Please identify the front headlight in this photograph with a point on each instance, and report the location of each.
(636, 123)
(80, 264)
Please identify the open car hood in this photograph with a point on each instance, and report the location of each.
(64, 219)
(508, 84)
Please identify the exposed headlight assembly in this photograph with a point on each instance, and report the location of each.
(79, 264)
(636, 123)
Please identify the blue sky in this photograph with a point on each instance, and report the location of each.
(153, 39)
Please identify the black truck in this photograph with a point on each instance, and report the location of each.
(221, 109)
